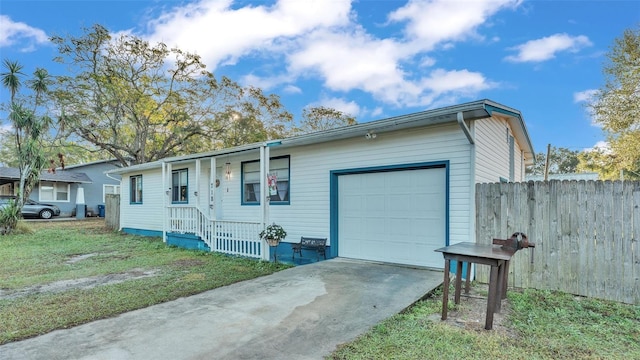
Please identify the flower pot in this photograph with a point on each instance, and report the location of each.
(273, 242)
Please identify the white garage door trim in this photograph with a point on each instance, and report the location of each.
(394, 172)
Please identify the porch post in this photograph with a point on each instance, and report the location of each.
(264, 184)
(212, 188)
(164, 203)
(196, 193)
(167, 189)
(264, 193)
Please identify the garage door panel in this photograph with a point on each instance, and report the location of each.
(394, 216)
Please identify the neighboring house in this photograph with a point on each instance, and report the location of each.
(61, 187)
(571, 176)
(101, 185)
(392, 190)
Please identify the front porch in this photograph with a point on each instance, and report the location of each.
(190, 228)
(187, 224)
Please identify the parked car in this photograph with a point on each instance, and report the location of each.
(33, 208)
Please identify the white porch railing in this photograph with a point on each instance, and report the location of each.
(229, 237)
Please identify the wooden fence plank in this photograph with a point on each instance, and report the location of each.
(614, 285)
(634, 280)
(586, 234)
(627, 242)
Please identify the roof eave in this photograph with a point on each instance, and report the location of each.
(517, 124)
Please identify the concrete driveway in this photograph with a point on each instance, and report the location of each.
(298, 313)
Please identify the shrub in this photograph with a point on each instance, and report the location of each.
(9, 216)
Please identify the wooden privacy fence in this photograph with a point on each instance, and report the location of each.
(112, 211)
(586, 235)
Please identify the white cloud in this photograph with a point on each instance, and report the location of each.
(377, 111)
(442, 81)
(19, 33)
(292, 89)
(431, 22)
(347, 107)
(600, 146)
(5, 129)
(265, 83)
(320, 40)
(546, 48)
(584, 96)
(221, 33)
(353, 62)
(373, 65)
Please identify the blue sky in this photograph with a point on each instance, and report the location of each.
(370, 58)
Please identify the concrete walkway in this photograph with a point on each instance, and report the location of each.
(298, 313)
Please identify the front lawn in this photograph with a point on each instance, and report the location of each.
(539, 325)
(68, 273)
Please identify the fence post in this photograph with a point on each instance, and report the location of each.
(112, 211)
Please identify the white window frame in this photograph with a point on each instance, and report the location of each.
(251, 177)
(177, 194)
(134, 197)
(54, 186)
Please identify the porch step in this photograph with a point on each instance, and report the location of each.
(187, 241)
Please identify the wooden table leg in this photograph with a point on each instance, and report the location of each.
(505, 283)
(445, 289)
(500, 285)
(467, 286)
(493, 297)
(458, 281)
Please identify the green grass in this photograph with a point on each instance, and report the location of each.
(42, 257)
(543, 325)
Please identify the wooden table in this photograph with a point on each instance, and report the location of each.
(492, 255)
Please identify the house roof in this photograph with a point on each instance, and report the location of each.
(75, 166)
(11, 174)
(570, 176)
(470, 111)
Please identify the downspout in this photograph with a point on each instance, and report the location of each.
(111, 177)
(464, 127)
(472, 179)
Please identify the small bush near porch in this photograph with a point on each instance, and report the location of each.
(60, 274)
(533, 324)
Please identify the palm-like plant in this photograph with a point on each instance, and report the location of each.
(28, 129)
(11, 78)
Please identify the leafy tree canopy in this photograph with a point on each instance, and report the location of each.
(561, 161)
(616, 106)
(141, 102)
(323, 118)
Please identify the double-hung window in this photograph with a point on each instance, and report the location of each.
(277, 178)
(135, 189)
(180, 186)
(52, 191)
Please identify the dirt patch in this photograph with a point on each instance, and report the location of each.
(89, 225)
(188, 262)
(75, 258)
(471, 313)
(73, 284)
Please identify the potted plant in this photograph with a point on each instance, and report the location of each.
(273, 234)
